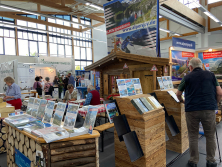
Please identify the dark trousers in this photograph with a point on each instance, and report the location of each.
(207, 118)
(48, 93)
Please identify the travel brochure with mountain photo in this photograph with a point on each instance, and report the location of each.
(33, 126)
(49, 111)
(41, 109)
(160, 81)
(112, 111)
(41, 132)
(53, 136)
(170, 82)
(20, 120)
(30, 105)
(165, 82)
(90, 118)
(35, 107)
(130, 87)
(71, 115)
(60, 109)
(122, 87)
(137, 86)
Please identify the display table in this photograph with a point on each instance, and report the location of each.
(150, 130)
(180, 142)
(75, 151)
(83, 112)
(2, 137)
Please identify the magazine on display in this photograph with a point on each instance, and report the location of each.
(41, 109)
(35, 107)
(139, 106)
(165, 83)
(122, 87)
(60, 109)
(30, 105)
(146, 103)
(33, 126)
(111, 110)
(49, 111)
(169, 79)
(20, 120)
(160, 81)
(41, 132)
(53, 136)
(71, 115)
(77, 132)
(154, 102)
(172, 94)
(90, 119)
(130, 87)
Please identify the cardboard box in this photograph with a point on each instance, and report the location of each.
(8, 109)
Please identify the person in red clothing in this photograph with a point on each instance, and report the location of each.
(93, 96)
(118, 42)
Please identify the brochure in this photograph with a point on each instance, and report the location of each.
(172, 94)
(90, 119)
(130, 87)
(41, 109)
(35, 107)
(122, 87)
(137, 86)
(49, 111)
(53, 136)
(29, 111)
(160, 81)
(31, 102)
(60, 109)
(78, 132)
(112, 111)
(20, 120)
(41, 132)
(34, 126)
(165, 82)
(170, 82)
(71, 115)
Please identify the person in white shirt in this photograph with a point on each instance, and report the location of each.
(71, 94)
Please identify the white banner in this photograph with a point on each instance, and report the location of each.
(6, 69)
(62, 65)
(26, 77)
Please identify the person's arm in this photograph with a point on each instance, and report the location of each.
(74, 97)
(88, 99)
(66, 97)
(180, 90)
(17, 93)
(219, 93)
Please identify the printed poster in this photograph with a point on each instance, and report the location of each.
(180, 69)
(131, 25)
(212, 62)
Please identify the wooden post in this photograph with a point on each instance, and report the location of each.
(16, 39)
(154, 80)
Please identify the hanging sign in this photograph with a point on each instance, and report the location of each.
(125, 66)
(207, 65)
(187, 54)
(210, 55)
(182, 43)
(21, 160)
(165, 70)
(154, 68)
(94, 72)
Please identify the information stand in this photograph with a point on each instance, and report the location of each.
(77, 151)
(150, 130)
(180, 142)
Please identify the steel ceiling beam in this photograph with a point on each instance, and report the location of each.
(168, 14)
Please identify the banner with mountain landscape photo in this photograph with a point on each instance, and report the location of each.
(133, 26)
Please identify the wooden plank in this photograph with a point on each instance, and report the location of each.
(95, 25)
(154, 80)
(67, 156)
(105, 84)
(186, 34)
(73, 149)
(104, 127)
(46, 154)
(74, 162)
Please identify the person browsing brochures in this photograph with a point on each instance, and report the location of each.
(13, 93)
(71, 94)
(202, 92)
(93, 96)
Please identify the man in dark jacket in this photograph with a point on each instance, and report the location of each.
(65, 82)
(202, 91)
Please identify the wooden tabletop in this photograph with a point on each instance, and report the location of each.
(95, 134)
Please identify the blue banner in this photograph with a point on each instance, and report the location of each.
(182, 43)
(21, 160)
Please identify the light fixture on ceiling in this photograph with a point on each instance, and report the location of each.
(210, 50)
(168, 31)
(94, 6)
(40, 14)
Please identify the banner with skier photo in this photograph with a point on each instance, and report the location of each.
(132, 25)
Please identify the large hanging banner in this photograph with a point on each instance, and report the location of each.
(62, 65)
(212, 61)
(132, 26)
(6, 69)
(26, 77)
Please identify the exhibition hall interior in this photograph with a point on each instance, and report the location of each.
(110, 83)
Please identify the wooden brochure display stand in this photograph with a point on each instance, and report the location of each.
(74, 151)
(180, 142)
(150, 130)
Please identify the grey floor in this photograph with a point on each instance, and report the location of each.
(107, 158)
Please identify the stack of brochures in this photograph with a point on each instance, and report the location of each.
(20, 120)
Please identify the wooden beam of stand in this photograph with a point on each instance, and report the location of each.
(96, 25)
(38, 21)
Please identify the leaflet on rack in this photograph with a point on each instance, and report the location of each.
(30, 105)
(49, 111)
(60, 109)
(35, 107)
(41, 109)
(71, 115)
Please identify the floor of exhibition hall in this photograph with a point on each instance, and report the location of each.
(107, 158)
